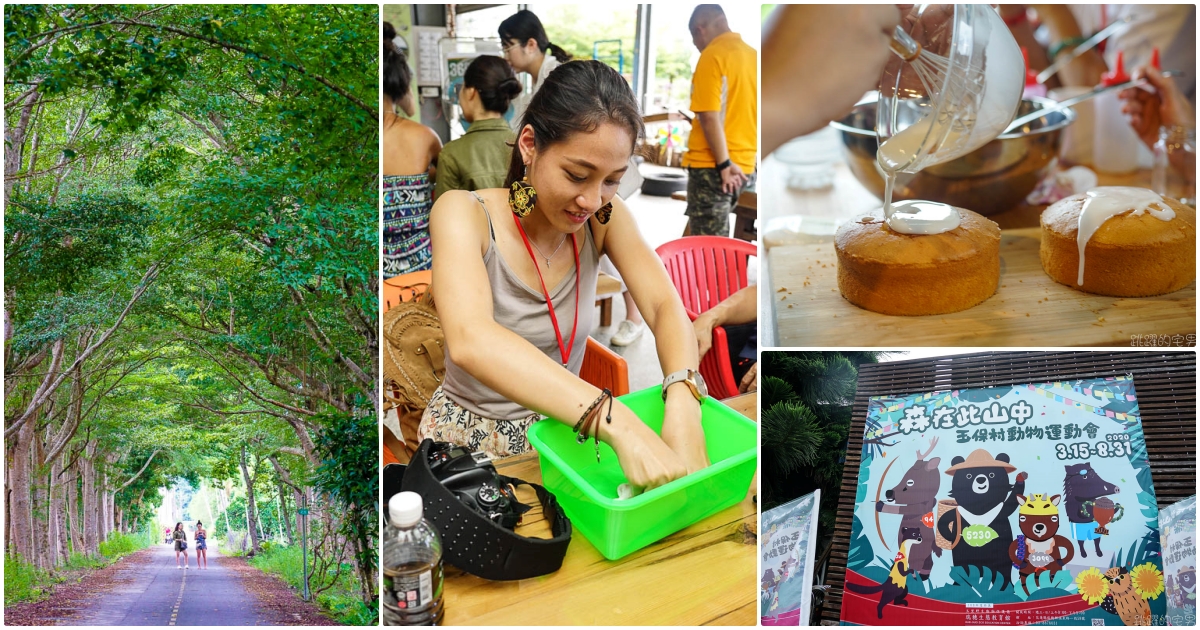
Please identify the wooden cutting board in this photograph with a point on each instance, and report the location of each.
(1029, 309)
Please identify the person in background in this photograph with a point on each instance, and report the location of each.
(1169, 28)
(410, 152)
(528, 49)
(721, 148)
(801, 95)
(201, 546)
(1164, 112)
(739, 315)
(479, 159)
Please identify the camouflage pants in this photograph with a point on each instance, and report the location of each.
(707, 206)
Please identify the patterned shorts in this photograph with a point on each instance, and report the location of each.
(446, 421)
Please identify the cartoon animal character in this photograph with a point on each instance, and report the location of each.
(1083, 484)
(771, 580)
(1123, 601)
(1182, 589)
(895, 588)
(914, 498)
(1037, 548)
(985, 501)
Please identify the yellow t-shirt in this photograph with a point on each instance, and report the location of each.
(726, 80)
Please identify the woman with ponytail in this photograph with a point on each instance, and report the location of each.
(479, 159)
(528, 49)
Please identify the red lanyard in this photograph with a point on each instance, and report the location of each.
(565, 350)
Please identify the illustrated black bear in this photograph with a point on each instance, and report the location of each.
(985, 499)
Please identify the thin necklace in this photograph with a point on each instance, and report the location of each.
(539, 250)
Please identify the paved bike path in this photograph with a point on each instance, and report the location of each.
(159, 594)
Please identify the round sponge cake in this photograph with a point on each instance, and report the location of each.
(1128, 256)
(887, 272)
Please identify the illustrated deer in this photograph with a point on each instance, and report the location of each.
(915, 498)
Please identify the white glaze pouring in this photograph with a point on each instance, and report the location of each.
(1106, 202)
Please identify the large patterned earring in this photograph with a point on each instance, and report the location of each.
(604, 213)
(522, 196)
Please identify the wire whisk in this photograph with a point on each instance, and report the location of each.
(957, 88)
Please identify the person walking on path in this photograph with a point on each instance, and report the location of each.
(180, 538)
(201, 546)
(721, 148)
(167, 535)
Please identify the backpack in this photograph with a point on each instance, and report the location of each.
(414, 364)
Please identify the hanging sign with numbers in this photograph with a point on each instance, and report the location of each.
(1003, 506)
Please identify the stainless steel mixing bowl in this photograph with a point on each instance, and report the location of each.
(995, 178)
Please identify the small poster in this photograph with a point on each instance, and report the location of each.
(1178, 522)
(429, 54)
(1013, 505)
(788, 544)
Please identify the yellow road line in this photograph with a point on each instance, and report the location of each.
(178, 601)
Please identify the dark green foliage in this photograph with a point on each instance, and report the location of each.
(773, 389)
(349, 472)
(806, 408)
(55, 246)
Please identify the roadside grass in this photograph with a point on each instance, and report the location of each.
(341, 600)
(24, 582)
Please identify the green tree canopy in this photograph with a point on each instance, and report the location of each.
(190, 258)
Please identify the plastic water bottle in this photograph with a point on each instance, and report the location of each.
(412, 565)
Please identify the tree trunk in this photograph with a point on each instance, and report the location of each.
(251, 510)
(14, 141)
(91, 502)
(101, 507)
(110, 524)
(284, 517)
(19, 480)
(58, 516)
(297, 495)
(42, 530)
(75, 532)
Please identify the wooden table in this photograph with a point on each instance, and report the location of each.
(701, 575)
(1028, 309)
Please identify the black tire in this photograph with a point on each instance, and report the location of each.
(663, 184)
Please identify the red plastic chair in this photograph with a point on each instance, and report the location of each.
(706, 270)
(604, 368)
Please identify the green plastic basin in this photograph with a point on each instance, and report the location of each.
(587, 490)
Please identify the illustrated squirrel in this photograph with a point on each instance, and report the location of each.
(895, 588)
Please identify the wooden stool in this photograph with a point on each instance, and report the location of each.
(745, 214)
(606, 287)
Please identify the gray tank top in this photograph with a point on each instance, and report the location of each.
(522, 309)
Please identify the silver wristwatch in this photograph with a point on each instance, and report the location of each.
(692, 378)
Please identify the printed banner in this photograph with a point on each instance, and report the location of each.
(1178, 522)
(1016, 505)
(788, 545)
